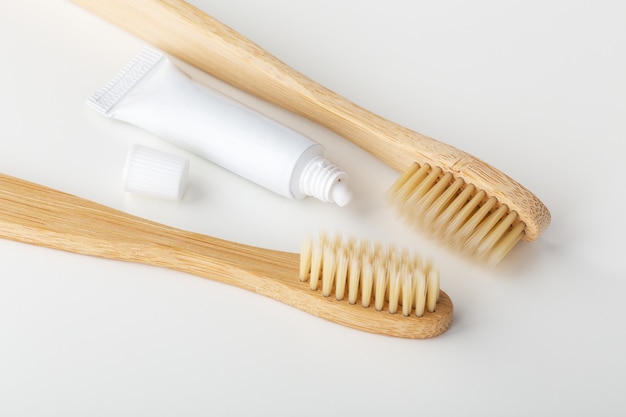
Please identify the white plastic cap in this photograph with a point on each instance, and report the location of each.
(325, 181)
(155, 173)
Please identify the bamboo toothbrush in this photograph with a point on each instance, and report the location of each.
(344, 276)
(468, 203)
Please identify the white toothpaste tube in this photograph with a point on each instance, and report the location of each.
(152, 93)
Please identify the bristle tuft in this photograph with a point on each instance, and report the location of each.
(456, 212)
(373, 275)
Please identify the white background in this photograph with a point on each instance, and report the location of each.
(536, 88)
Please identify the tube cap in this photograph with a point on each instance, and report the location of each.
(155, 173)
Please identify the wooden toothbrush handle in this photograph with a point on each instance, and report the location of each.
(189, 34)
(35, 214)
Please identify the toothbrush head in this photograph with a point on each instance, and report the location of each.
(469, 218)
(388, 283)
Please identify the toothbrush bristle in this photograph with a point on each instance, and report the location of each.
(372, 275)
(456, 212)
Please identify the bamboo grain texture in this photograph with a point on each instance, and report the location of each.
(42, 216)
(189, 34)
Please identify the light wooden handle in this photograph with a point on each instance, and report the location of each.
(46, 217)
(42, 216)
(189, 34)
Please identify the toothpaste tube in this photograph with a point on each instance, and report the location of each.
(152, 93)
